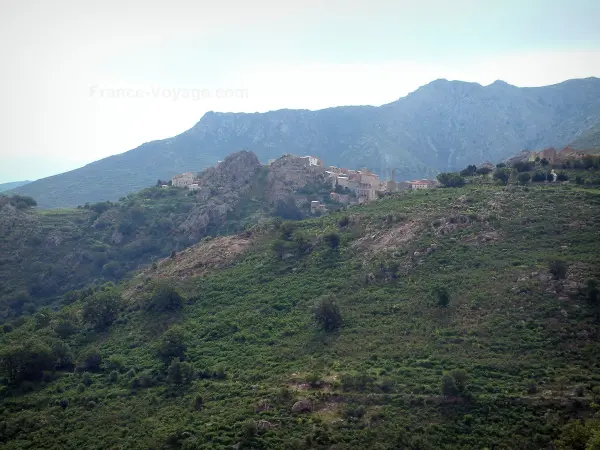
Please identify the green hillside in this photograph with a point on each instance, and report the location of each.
(459, 318)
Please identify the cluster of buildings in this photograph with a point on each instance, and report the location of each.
(366, 186)
(348, 185)
(550, 155)
(186, 180)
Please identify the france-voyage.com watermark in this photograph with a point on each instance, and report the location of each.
(159, 92)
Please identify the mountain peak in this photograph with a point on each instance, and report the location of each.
(500, 83)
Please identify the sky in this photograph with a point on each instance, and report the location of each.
(80, 81)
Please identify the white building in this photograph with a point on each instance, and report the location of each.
(314, 161)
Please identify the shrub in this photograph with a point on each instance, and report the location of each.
(524, 178)
(113, 377)
(502, 175)
(25, 361)
(469, 171)
(86, 378)
(484, 170)
(62, 354)
(524, 166)
(172, 345)
(451, 179)
(539, 177)
(100, 310)
(442, 296)
(344, 221)
(327, 314)
(448, 385)
(198, 402)
(561, 176)
(115, 362)
(90, 360)
(332, 240)
(558, 269)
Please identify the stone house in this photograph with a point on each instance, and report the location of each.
(340, 198)
(183, 179)
(365, 193)
(421, 184)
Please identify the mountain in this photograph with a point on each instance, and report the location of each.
(12, 185)
(442, 126)
(455, 319)
(589, 139)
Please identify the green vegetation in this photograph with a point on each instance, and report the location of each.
(455, 179)
(452, 318)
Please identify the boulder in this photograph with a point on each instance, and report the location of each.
(302, 406)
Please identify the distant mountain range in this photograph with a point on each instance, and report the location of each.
(444, 125)
(12, 185)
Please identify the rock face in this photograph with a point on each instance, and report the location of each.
(221, 188)
(302, 406)
(443, 126)
(289, 174)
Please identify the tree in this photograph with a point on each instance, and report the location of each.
(539, 176)
(180, 373)
(448, 385)
(172, 345)
(451, 179)
(484, 170)
(101, 309)
(558, 269)
(469, 171)
(164, 297)
(22, 201)
(333, 240)
(278, 247)
(442, 296)
(327, 314)
(455, 383)
(502, 175)
(562, 177)
(90, 360)
(523, 166)
(25, 360)
(524, 178)
(544, 162)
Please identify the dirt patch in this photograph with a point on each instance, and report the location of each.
(397, 236)
(203, 257)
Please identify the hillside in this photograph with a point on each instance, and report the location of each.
(12, 185)
(442, 126)
(588, 140)
(44, 254)
(454, 318)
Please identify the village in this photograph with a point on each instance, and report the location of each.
(348, 186)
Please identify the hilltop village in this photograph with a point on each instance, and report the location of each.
(348, 186)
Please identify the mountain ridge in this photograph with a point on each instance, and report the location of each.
(441, 126)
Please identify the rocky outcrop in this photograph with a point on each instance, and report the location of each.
(220, 189)
(302, 406)
(289, 174)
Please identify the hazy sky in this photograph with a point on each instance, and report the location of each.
(83, 80)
